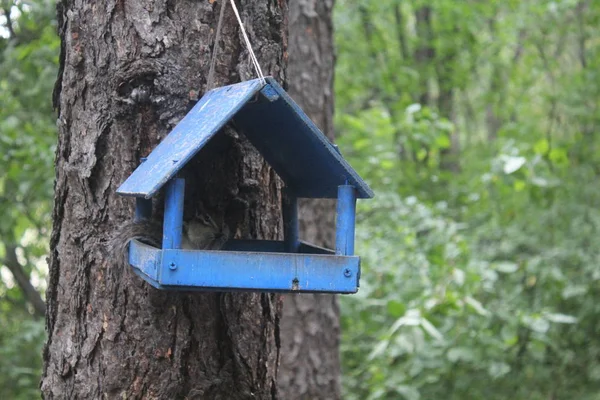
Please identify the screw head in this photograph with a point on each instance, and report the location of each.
(172, 266)
(347, 272)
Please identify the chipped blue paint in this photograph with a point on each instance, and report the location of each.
(290, 142)
(270, 93)
(207, 117)
(144, 259)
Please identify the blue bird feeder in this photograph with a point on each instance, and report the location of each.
(309, 165)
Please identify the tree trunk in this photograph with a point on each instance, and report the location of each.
(310, 334)
(424, 53)
(129, 72)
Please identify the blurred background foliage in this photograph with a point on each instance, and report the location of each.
(474, 122)
(29, 51)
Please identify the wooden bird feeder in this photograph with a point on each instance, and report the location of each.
(309, 165)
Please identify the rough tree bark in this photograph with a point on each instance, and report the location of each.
(130, 71)
(310, 364)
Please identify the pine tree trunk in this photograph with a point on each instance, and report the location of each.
(310, 363)
(130, 71)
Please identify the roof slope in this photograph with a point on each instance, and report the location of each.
(288, 140)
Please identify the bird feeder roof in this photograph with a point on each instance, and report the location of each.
(285, 136)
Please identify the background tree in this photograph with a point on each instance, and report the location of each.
(310, 336)
(129, 72)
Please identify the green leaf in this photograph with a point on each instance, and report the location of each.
(442, 141)
(561, 318)
(477, 306)
(396, 308)
(498, 369)
(457, 354)
(537, 323)
(559, 156)
(506, 267)
(513, 164)
(429, 328)
(407, 392)
(541, 146)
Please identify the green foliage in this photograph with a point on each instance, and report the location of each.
(28, 66)
(475, 124)
(21, 342)
(27, 122)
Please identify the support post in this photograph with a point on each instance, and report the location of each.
(173, 223)
(345, 221)
(290, 221)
